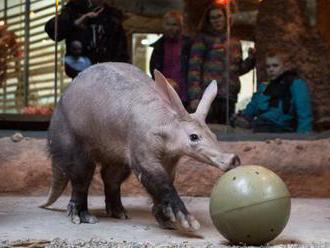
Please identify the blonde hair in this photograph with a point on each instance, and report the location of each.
(176, 14)
(282, 54)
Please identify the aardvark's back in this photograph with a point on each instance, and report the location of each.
(113, 93)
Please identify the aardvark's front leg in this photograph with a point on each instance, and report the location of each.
(168, 208)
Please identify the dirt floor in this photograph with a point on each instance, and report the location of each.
(302, 162)
(21, 219)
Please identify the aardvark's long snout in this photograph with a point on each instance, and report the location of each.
(227, 161)
(234, 162)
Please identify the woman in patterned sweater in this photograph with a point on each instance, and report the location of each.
(208, 62)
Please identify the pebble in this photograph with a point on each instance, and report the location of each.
(247, 148)
(17, 137)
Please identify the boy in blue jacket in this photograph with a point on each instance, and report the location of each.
(281, 105)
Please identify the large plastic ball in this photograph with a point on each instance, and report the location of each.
(250, 205)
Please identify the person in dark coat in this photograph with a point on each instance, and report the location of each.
(171, 53)
(98, 26)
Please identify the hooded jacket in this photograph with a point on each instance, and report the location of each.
(287, 105)
(103, 39)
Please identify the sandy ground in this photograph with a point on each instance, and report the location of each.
(21, 219)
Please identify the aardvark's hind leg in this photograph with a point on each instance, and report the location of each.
(113, 176)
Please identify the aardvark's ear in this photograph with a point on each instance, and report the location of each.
(168, 94)
(208, 96)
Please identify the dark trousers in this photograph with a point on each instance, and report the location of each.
(261, 125)
(218, 111)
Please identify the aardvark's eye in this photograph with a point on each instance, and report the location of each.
(194, 137)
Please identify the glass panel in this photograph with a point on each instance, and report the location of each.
(141, 49)
(248, 80)
(40, 58)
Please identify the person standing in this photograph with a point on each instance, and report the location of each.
(97, 25)
(208, 61)
(171, 52)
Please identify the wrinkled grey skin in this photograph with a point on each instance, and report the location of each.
(116, 116)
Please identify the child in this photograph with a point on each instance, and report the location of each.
(281, 105)
(74, 62)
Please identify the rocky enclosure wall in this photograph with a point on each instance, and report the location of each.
(303, 165)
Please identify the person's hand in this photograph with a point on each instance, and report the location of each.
(242, 122)
(80, 22)
(94, 13)
(252, 53)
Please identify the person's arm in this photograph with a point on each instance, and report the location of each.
(157, 56)
(238, 64)
(251, 108)
(195, 72)
(65, 24)
(69, 20)
(245, 117)
(88, 62)
(81, 21)
(258, 103)
(69, 71)
(152, 64)
(302, 103)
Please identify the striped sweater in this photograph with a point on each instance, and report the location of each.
(208, 62)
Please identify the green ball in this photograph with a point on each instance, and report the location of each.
(250, 205)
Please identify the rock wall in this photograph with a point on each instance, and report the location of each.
(303, 165)
(323, 20)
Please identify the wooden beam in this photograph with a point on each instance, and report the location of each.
(148, 7)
